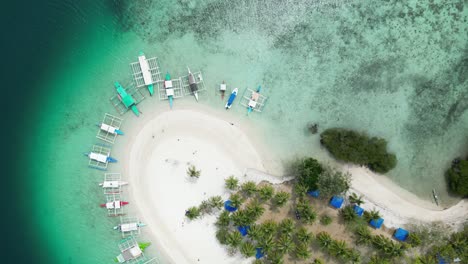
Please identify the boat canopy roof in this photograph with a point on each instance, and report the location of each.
(129, 227)
(110, 184)
(98, 157)
(222, 87)
(108, 128)
(168, 84)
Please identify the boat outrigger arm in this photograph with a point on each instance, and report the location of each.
(193, 84)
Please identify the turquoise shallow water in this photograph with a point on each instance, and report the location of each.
(390, 69)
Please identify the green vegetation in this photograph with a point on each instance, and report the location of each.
(247, 249)
(265, 192)
(348, 214)
(354, 147)
(281, 198)
(371, 215)
(326, 220)
(355, 199)
(457, 177)
(307, 171)
(307, 213)
(248, 188)
(236, 200)
(193, 172)
(192, 213)
(231, 183)
(331, 182)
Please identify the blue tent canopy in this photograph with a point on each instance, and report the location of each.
(228, 207)
(376, 223)
(336, 202)
(358, 210)
(315, 193)
(401, 234)
(243, 230)
(259, 253)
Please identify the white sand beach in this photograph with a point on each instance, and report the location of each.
(159, 146)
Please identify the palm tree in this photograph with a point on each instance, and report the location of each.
(240, 218)
(255, 232)
(204, 206)
(236, 200)
(372, 215)
(427, 259)
(281, 198)
(192, 213)
(394, 250)
(232, 183)
(338, 249)
(326, 220)
(300, 190)
(414, 240)
(222, 235)
(303, 236)
(266, 243)
(308, 215)
(318, 261)
(364, 236)
(285, 244)
(258, 261)
(324, 240)
(286, 226)
(355, 199)
(248, 188)
(275, 257)
(354, 256)
(223, 219)
(247, 249)
(348, 214)
(265, 192)
(216, 202)
(193, 172)
(234, 239)
(269, 227)
(254, 209)
(378, 260)
(302, 251)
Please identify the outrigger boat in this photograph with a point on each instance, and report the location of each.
(100, 157)
(436, 198)
(222, 89)
(253, 100)
(129, 226)
(126, 99)
(231, 98)
(145, 70)
(110, 129)
(169, 89)
(193, 84)
(112, 184)
(113, 204)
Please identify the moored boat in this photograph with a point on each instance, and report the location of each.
(112, 184)
(113, 204)
(127, 227)
(126, 99)
(253, 99)
(193, 84)
(145, 70)
(222, 89)
(100, 157)
(110, 129)
(231, 98)
(169, 89)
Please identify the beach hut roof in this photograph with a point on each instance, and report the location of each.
(228, 207)
(376, 223)
(401, 234)
(243, 230)
(259, 253)
(358, 210)
(336, 202)
(315, 193)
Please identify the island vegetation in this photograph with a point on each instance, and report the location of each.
(457, 177)
(358, 148)
(281, 221)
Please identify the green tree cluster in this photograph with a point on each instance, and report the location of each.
(307, 171)
(354, 147)
(457, 178)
